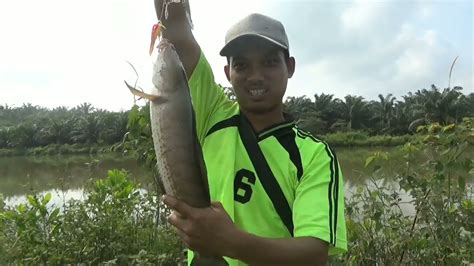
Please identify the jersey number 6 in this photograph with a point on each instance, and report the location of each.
(243, 190)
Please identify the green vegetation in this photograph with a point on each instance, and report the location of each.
(326, 114)
(363, 139)
(82, 129)
(352, 121)
(117, 223)
(439, 232)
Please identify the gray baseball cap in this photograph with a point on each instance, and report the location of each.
(256, 25)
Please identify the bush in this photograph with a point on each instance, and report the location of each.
(58, 149)
(439, 232)
(362, 139)
(116, 223)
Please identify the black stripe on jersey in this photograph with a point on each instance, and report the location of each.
(229, 122)
(333, 188)
(287, 140)
(336, 194)
(280, 129)
(265, 174)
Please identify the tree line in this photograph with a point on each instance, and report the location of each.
(388, 115)
(34, 126)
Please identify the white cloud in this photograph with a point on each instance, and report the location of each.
(361, 15)
(57, 52)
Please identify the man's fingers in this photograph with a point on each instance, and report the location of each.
(177, 220)
(177, 205)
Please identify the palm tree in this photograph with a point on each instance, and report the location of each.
(323, 102)
(433, 105)
(58, 131)
(115, 127)
(307, 117)
(469, 103)
(354, 113)
(384, 111)
(84, 108)
(87, 129)
(298, 106)
(24, 136)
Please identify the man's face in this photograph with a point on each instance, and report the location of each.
(259, 73)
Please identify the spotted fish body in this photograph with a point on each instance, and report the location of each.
(180, 163)
(179, 158)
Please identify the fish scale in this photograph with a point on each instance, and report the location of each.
(179, 158)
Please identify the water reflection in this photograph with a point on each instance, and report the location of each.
(27, 175)
(58, 197)
(66, 176)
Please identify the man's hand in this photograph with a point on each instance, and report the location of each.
(176, 11)
(211, 232)
(178, 32)
(208, 231)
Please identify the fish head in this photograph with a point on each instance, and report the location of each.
(168, 69)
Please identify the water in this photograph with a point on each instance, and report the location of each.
(63, 176)
(66, 176)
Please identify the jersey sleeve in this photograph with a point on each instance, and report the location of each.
(207, 96)
(318, 209)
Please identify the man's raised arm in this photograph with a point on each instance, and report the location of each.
(178, 32)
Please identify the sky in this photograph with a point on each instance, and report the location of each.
(64, 53)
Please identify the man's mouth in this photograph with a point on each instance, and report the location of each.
(257, 91)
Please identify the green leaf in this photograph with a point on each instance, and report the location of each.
(449, 128)
(369, 160)
(21, 208)
(46, 199)
(420, 128)
(43, 210)
(54, 229)
(32, 200)
(434, 128)
(53, 214)
(452, 209)
(431, 138)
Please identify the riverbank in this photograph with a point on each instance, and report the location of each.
(339, 139)
(362, 139)
(59, 149)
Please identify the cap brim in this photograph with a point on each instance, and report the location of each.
(233, 45)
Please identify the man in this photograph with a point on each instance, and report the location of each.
(277, 191)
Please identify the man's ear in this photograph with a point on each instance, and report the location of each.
(291, 64)
(227, 72)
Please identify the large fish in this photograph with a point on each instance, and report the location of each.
(179, 158)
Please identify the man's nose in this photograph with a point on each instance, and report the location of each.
(256, 74)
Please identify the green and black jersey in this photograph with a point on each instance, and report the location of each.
(279, 183)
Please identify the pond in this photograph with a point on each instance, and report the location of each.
(65, 176)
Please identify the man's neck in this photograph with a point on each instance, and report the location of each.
(262, 121)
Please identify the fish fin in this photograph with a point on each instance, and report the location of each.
(142, 94)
